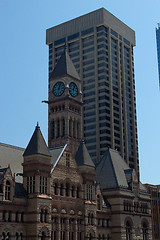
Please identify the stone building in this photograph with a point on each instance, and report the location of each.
(59, 193)
(154, 191)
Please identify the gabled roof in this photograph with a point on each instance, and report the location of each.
(112, 171)
(64, 66)
(37, 144)
(82, 156)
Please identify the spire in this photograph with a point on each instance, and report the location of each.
(64, 66)
(82, 156)
(37, 144)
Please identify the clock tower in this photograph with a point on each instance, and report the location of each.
(65, 104)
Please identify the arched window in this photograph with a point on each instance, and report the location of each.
(78, 130)
(78, 192)
(72, 191)
(92, 219)
(22, 217)
(98, 203)
(45, 215)
(20, 236)
(17, 236)
(128, 231)
(43, 237)
(70, 127)
(58, 128)
(90, 236)
(67, 189)
(3, 236)
(53, 129)
(108, 237)
(9, 216)
(144, 229)
(7, 190)
(61, 189)
(89, 219)
(55, 189)
(41, 216)
(7, 237)
(17, 217)
(4, 216)
(63, 127)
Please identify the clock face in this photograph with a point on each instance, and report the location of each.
(73, 89)
(58, 89)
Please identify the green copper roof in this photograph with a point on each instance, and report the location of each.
(64, 66)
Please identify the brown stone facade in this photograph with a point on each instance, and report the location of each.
(73, 207)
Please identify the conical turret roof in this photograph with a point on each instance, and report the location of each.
(37, 144)
(82, 156)
(64, 66)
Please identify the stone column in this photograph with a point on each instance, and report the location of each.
(58, 228)
(75, 230)
(67, 229)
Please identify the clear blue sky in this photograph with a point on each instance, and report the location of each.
(24, 68)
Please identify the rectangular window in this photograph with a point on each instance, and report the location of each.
(87, 31)
(89, 192)
(114, 33)
(31, 184)
(73, 36)
(59, 41)
(126, 41)
(102, 28)
(43, 185)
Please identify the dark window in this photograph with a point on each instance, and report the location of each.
(114, 33)
(92, 140)
(7, 190)
(87, 31)
(73, 36)
(90, 134)
(57, 42)
(102, 28)
(128, 231)
(126, 41)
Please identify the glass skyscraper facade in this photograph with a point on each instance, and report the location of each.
(101, 48)
(158, 49)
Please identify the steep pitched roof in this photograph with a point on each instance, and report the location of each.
(82, 156)
(56, 154)
(112, 171)
(64, 66)
(37, 144)
(13, 156)
(19, 190)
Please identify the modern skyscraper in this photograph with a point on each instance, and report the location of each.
(158, 49)
(101, 48)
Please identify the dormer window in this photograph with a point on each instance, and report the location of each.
(7, 190)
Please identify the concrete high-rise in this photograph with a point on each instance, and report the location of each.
(158, 49)
(101, 49)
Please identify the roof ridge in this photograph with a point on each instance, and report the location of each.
(11, 146)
